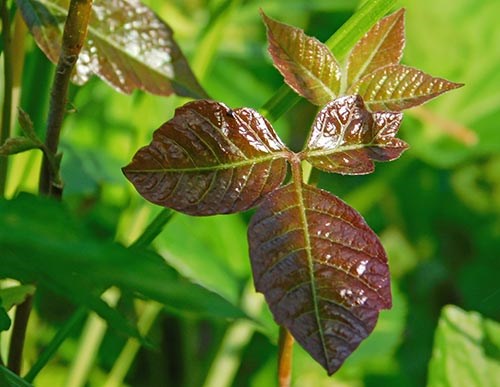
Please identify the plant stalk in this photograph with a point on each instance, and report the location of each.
(75, 32)
(285, 358)
(23, 311)
(7, 92)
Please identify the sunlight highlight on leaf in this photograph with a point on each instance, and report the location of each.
(127, 45)
(399, 87)
(381, 46)
(321, 268)
(346, 138)
(209, 159)
(307, 65)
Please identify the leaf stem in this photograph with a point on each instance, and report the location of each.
(285, 357)
(7, 93)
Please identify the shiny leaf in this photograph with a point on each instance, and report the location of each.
(209, 159)
(127, 45)
(381, 46)
(321, 268)
(346, 138)
(398, 87)
(307, 65)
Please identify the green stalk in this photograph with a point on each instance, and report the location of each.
(340, 43)
(129, 352)
(207, 47)
(55, 343)
(7, 92)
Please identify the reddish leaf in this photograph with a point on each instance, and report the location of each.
(127, 45)
(209, 160)
(346, 137)
(381, 46)
(307, 65)
(399, 87)
(321, 268)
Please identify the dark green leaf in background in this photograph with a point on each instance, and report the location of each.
(10, 379)
(42, 242)
(127, 45)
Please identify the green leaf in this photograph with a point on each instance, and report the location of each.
(10, 379)
(41, 242)
(466, 350)
(321, 268)
(307, 65)
(4, 318)
(14, 145)
(127, 45)
(209, 159)
(346, 138)
(381, 46)
(15, 295)
(398, 87)
(216, 256)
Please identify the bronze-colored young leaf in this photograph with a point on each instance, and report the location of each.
(307, 65)
(381, 46)
(321, 268)
(398, 87)
(127, 45)
(346, 138)
(209, 159)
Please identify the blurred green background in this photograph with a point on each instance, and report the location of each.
(437, 209)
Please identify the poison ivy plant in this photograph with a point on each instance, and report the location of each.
(323, 271)
(127, 45)
(372, 68)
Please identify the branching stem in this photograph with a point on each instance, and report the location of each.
(75, 32)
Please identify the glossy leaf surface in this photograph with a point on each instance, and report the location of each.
(399, 87)
(321, 268)
(127, 45)
(307, 65)
(346, 138)
(381, 46)
(209, 159)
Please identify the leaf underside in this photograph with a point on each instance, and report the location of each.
(209, 159)
(127, 45)
(307, 65)
(398, 87)
(346, 138)
(321, 268)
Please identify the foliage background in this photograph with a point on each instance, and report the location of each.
(437, 209)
